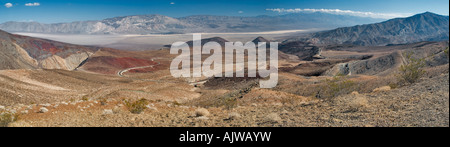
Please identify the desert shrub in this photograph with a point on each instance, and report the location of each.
(446, 52)
(176, 103)
(103, 101)
(228, 100)
(85, 98)
(338, 85)
(136, 107)
(393, 85)
(355, 102)
(412, 71)
(230, 103)
(288, 101)
(6, 118)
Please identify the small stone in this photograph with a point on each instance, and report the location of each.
(273, 117)
(24, 112)
(2, 107)
(117, 110)
(43, 110)
(151, 108)
(184, 107)
(382, 89)
(337, 120)
(13, 111)
(45, 105)
(234, 115)
(108, 112)
(278, 104)
(201, 112)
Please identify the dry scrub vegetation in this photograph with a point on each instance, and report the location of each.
(412, 71)
(7, 118)
(136, 107)
(336, 86)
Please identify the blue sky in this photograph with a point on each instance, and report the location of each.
(52, 11)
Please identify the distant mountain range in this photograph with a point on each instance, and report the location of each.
(159, 24)
(421, 27)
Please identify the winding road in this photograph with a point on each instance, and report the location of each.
(120, 73)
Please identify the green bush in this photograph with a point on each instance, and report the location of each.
(336, 86)
(136, 107)
(446, 52)
(230, 103)
(412, 71)
(393, 85)
(85, 98)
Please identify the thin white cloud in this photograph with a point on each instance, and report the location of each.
(240, 12)
(342, 12)
(8, 5)
(32, 4)
(172, 3)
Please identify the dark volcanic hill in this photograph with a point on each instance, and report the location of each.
(219, 40)
(421, 27)
(260, 39)
(22, 52)
(304, 50)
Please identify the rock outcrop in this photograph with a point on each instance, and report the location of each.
(21, 52)
(432, 52)
(376, 66)
(304, 50)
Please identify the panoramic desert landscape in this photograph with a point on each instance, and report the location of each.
(353, 72)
